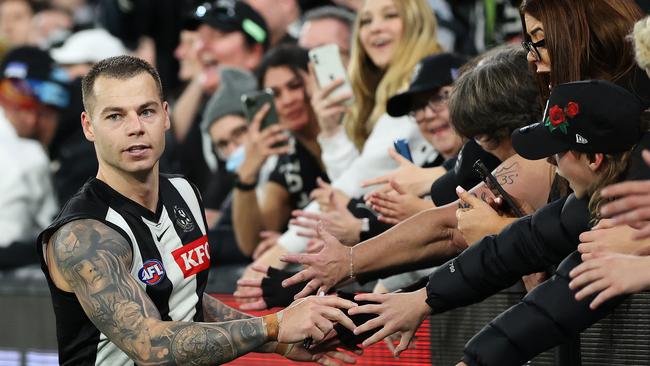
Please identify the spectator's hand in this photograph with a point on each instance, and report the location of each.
(328, 108)
(608, 237)
(414, 180)
(313, 317)
(396, 338)
(259, 146)
(252, 273)
(609, 275)
(249, 291)
(631, 205)
(478, 219)
(533, 280)
(269, 240)
(397, 205)
(461, 364)
(323, 195)
(327, 355)
(338, 221)
(392, 316)
(324, 270)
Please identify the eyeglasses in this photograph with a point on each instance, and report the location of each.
(533, 47)
(435, 104)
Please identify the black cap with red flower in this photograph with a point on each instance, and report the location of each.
(592, 116)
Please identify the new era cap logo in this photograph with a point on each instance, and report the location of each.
(581, 140)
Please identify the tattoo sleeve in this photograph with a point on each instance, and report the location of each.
(94, 260)
(216, 311)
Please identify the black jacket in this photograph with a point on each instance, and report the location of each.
(530, 244)
(548, 315)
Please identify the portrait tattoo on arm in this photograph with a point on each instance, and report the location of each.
(94, 260)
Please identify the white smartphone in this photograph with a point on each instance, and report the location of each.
(329, 67)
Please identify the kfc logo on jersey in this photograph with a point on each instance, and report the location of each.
(152, 272)
(194, 257)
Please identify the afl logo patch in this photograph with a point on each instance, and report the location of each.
(152, 272)
(183, 220)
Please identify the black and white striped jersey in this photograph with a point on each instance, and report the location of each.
(171, 258)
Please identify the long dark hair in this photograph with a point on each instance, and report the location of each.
(586, 37)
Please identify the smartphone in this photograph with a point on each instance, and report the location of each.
(402, 148)
(254, 101)
(498, 191)
(329, 67)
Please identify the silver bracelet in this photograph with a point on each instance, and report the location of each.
(352, 275)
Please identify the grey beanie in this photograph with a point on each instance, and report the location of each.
(227, 99)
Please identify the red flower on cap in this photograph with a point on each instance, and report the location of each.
(572, 109)
(556, 116)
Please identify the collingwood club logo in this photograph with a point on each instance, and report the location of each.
(581, 140)
(183, 220)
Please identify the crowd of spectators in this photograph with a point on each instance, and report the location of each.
(370, 177)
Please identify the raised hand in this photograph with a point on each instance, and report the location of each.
(260, 144)
(608, 237)
(397, 205)
(392, 317)
(609, 275)
(249, 291)
(631, 205)
(477, 219)
(413, 179)
(328, 108)
(338, 221)
(312, 317)
(269, 240)
(323, 195)
(325, 269)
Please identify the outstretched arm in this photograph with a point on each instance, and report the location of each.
(91, 259)
(425, 239)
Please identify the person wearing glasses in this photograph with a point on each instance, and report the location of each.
(572, 34)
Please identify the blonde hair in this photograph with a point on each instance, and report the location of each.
(371, 86)
(641, 36)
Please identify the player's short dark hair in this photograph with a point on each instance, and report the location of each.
(119, 67)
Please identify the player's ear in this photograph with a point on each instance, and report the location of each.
(87, 126)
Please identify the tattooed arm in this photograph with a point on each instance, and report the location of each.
(216, 311)
(92, 260)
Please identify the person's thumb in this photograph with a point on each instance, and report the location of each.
(467, 197)
(397, 157)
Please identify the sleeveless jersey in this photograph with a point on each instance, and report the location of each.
(171, 258)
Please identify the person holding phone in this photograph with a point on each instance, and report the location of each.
(385, 50)
(288, 147)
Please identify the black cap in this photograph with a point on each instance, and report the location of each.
(431, 74)
(592, 116)
(44, 80)
(231, 16)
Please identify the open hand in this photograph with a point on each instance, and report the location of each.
(324, 270)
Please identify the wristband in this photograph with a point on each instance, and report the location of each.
(244, 186)
(272, 326)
